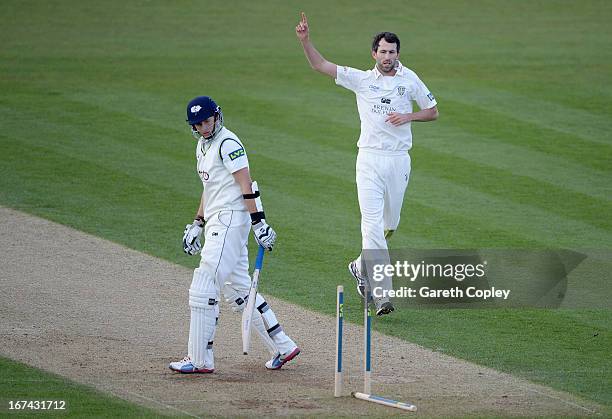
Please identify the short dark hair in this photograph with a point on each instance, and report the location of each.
(390, 37)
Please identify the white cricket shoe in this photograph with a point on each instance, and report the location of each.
(384, 308)
(279, 360)
(361, 280)
(186, 366)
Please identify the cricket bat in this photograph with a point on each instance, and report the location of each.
(247, 314)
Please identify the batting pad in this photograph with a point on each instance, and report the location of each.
(238, 305)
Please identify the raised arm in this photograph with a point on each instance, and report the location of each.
(316, 60)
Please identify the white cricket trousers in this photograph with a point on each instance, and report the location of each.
(382, 178)
(224, 267)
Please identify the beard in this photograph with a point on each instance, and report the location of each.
(387, 67)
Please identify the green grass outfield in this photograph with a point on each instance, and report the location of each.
(20, 383)
(93, 136)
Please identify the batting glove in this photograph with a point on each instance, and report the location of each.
(191, 237)
(264, 235)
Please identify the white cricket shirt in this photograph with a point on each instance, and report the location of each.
(379, 95)
(217, 160)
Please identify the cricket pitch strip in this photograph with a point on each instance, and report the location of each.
(112, 318)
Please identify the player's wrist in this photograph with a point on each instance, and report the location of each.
(199, 220)
(257, 217)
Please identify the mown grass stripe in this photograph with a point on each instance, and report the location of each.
(145, 158)
(522, 190)
(524, 219)
(530, 136)
(588, 129)
(57, 189)
(543, 167)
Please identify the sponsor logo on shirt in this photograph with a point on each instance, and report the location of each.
(385, 101)
(373, 88)
(237, 153)
(401, 90)
(204, 175)
(430, 96)
(383, 109)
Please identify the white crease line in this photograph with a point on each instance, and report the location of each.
(564, 401)
(167, 406)
(183, 401)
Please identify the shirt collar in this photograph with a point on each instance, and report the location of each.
(399, 70)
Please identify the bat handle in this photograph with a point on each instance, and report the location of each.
(260, 256)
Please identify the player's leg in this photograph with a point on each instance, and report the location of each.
(282, 348)
(215, 266)
(236, 291)
(203, 303)
(204, 307)
(238, 304)
(396, 184)
(286, 347)
(396, 181)
(371, 193)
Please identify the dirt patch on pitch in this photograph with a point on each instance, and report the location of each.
(112, 318)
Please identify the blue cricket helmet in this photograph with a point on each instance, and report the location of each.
(201, 108)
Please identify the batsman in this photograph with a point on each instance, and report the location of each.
(230, 206)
